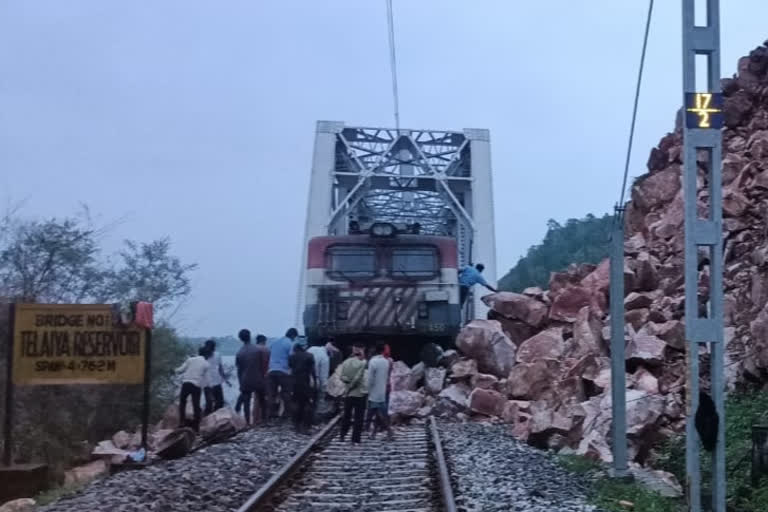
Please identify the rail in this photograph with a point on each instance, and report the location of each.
(446, 491)
(272, 492)
(260, 497)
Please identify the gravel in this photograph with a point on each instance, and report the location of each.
(493, 471)
(217, 478)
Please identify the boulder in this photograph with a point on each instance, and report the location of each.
(548, 344)
(20, 505)
(587, 338)
(484, 381)
(638, 301)
(510, 412)
(655, 189)
(672, 332)
(516, 306)
(405, 403)
(417, 376)
(449, 357)
(516, 331)
(458, 394)
(599, 280)
(221, 424)
(645, 381)
(637, 318)
(463, 369)
(433, 380)
(534, 380)
(431, 353)
(484, 341)
(646, 348)
(83, 474)
(646, 276)
(400, 378)
(567, 303)
(487, 402)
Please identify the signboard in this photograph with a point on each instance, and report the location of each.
(704, 110)
(75, 344)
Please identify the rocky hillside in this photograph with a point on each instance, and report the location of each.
(541, 362)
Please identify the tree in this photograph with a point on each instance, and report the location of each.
(578, 241)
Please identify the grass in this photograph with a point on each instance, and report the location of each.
(741, 411)
(609, 494)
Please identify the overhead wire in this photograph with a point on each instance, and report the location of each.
(635, 105)
(393, 61)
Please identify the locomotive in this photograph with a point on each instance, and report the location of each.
(386, 282)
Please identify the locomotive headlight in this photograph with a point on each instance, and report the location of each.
(382, 229)
(423, 311)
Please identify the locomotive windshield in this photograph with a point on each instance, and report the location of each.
(352, 261)
(414, 262)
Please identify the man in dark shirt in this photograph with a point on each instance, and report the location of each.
(302, 365)
(252, 362)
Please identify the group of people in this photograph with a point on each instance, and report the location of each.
(287, 378)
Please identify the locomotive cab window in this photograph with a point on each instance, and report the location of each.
(414, 262)
(351, 262)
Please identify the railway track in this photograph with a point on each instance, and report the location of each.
(408, 474)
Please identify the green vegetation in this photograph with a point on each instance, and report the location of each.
(742, 411)
(578, 241)
(609, 493)
(61, 261)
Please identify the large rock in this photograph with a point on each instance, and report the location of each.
(672, 332)
(405, 403)
(85, 473)
(484, 341)
(463, 369)
(400, 378)
(548, 344)
(433, 380)
(533, 381)
(484, 381)
(638, 301)
(20, 505)
(449, 357)
(458, 394)
(646, 349)
(417, 376)
(656, 189)
(600, 278)
(221, 424)
(487, 402)
(516, 306)
(567, 303)
(587, 338)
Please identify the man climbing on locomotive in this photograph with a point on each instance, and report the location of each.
(470, 276)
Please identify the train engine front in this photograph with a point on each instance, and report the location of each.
(382, 283)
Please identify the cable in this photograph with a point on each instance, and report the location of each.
(634, 109)
(393, 61)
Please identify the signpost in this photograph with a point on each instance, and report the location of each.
(63, 344)
(701, 135)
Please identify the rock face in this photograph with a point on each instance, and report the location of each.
(541, 362)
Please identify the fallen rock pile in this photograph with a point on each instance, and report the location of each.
(541, 361)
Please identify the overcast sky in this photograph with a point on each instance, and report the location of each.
(195, 119)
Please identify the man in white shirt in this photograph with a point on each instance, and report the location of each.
(214, 393)
(378, 378)
(322, 370)
(194, 378)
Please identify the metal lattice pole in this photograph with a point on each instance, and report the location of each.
(701, 133)
(618, 365)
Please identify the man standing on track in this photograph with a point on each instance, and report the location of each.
(470, 276)
(322, 372)
(354, 378)
(302, 365)
(194, 378)
(251, 362)
(280, 371)
(378, 379)
(214, 393)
